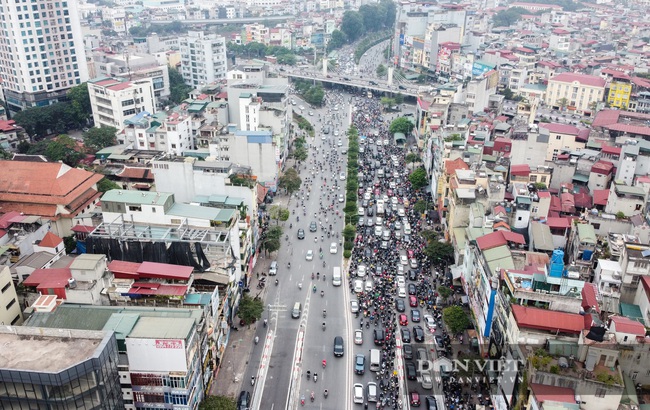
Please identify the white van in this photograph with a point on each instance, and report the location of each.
(336, 276)
(380, 173)
(375, 360)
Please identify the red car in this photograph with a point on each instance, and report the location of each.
(410, 254)
(377, 192)
(413, 301)
(403, 321)
(415, 399)
(389, 192)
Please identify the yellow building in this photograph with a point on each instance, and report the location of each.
(620, 90)
(574, 91)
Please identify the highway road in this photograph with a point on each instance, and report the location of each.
(289, 347)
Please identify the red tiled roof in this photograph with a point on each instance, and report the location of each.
(543, 194)
(589, 297)
(123, 269)
(568, 202)
(606, 117)
(631, 129)
(602, 167)
(452, 166)
(544, 319)
(627, 325)
(608, 149)
(9, 126)
(561, 128)
(582, 200)
(82, 228)
(136, 173)
(50, 241)
(6, 219)
(48, 278)
(556, 204)
(557, 222)
(164, 270)
(584, 79)
(544, 392)
(499, 210)
(520, 169)
(499, 238)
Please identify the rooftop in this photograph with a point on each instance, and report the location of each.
(550, 320)
(63, 348)
(162, 328)
(583, 79)
(136, 197)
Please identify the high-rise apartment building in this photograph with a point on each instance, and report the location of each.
(203, 58)
(41, 51)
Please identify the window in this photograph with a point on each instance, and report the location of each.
(601, 392)
(5, 287)
(558, 137)
(135, 208)
(10, 304)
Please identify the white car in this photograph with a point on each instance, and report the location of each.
(333, 248)
(358, 337)
(367, 196)
(378, 230)
(302, 107)
(361, 211)
(310, 255)
(413, 263)
(386, 141)
(400, 268)
(385, 198)
(378, 143)
(361, 271)
(398, 225)
(358, 393)
(400, 212)
(342, 176)
(311, 113)
(339, 143)
(403, 260)
(430, 323)
(393, 201)
(392, 185)
(401, 282)
(427, 382)
(379, 221)
(323, 137)
(336, 133)
(341, 198)
(354, 306)
(358, 286)
(368, 286)
(401, 292)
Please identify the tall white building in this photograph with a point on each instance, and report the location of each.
(203, 58)
(41, 51)
(170, 132)
(114, 100)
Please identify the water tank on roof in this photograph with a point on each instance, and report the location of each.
(72, 283)
(557, 263)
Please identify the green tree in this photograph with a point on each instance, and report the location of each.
(349, 232)
(105, 185)
(79, 105)
(389, 13)
(455, 318)
(279, 213)
(508, 17)
(271, 239)
(401, 124)
(99, 138)
(314, 95)
(62, 148)
(250, 309)
(419, 178)
(218, 403)
(179, 91)
(412, 158)
(4, 154)
(508, 93)
(399, 98)
(562, 102)
(445, 292)
(337, 40)
(420, 206)
(290, 181)
(387, 101)
(352, 25)
(372, 18)
(300, 153)
(440, 252)
(381, 70)
(70, 244)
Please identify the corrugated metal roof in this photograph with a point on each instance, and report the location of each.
(542, 238)
(544, 319)
(162, 328)
(586, 233)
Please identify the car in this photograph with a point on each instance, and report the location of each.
(413, 301)
(358, 337)
(361, 221)
(358, 393)
(398, 236)
(273, 269)
(401, 87)
(342, 176)
(427, 381)
(361, 212)
(359, 364)
(430, 403)
(372, 392)
(400, 305)
(244, 400)
(398, 225)
(370, 223)
(368, 286)
(384, 245)
(333, 248)
(413, 274)
(423, 358)
(403, 320)
(367, 196)
(406, 335)
(403, 260)
(430, 323)
(415, 315)
(412, 289)
(418, 334)
(401, 292)
(413, 263)
(354, 306)
(378, 336)
(379, 221)
(411, 372)
(361, 271)
(336, 133)
(440, 342)
(394, 201)
(341, 198)
(414, 399)
(358, 286)
(301, 234)
(310, 255)
(400, 212)
(367, 252)
(323, 137)
(370, 211)
(339, 143)
(338, 346)
(378, 230)
(313, 227)
(407, 349)
(401, 282)
(311, 113)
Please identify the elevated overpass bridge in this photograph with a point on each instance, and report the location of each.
(380, 87)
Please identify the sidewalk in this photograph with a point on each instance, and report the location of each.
(228, 380)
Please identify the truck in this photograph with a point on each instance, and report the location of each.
(380, 207)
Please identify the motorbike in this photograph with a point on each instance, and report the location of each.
(325, 393)
(314, 289)
(324, 363)
(302, 400)
(256, 340)
(322, 293)
(252, 380)
(324, 313)
(323, 326)
(277, 282)
(315, 377)
(312, 398)
(308, 374)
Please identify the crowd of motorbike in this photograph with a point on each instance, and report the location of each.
(383, 263)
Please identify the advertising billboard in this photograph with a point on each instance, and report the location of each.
(478, 68)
